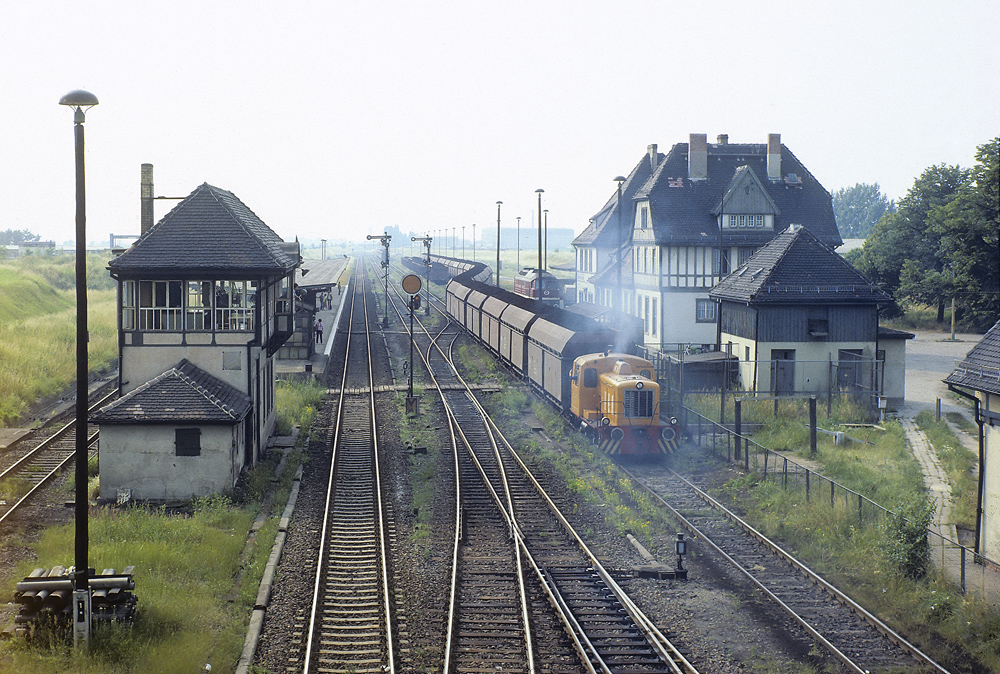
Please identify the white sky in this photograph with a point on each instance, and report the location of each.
(335, 119)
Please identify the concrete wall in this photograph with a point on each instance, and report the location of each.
(894, 374)
(142, 458)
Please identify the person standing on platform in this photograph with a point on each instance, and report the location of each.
(319, 330)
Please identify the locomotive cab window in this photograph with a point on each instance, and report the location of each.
(590, 377)
(646, 373)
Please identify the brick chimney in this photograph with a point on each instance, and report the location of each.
(651, 150)
(698, 156)
(146, 198)
(774, 156)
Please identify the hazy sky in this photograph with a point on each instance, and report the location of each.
(335, 119)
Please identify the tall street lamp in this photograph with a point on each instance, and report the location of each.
(463, 242)
(546, 238)
(499, 204)
(519, 243)
(81, 101)
(473, 241)
(621, 299)
(539, 193)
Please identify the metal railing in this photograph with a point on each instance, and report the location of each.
(959, 564)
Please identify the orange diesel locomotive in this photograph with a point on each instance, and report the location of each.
(617, 401)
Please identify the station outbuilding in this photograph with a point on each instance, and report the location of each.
(977, 377)
(799, 319)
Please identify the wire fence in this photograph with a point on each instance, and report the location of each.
(959, 564)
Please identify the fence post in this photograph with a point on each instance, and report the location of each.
(812, 425)
(807, 484)
(860, 517)
(937, 411)
(738, 422)
(963, 569)
(833, 493)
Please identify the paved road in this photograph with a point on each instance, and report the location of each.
(930, 357)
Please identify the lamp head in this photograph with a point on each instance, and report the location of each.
(539, 190)
(80, 101)
(619, 179)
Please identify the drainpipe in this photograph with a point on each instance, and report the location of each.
(979, 498)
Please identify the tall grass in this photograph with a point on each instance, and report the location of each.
(297, 401)
(185, 567)
(38, 341)
(959, 464)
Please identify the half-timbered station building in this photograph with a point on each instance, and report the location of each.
(799, 319)
(978, 377)
(687, 219)
(205, 300)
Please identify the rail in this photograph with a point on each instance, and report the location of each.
(752, 456)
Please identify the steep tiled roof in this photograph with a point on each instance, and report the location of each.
(182, 394)
(794, 268)
(980, 370)
(684, 212)
(209, 231)
(603, 228)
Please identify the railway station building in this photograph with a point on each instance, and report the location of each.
(205, 301)
(685, 220)
(977, 377)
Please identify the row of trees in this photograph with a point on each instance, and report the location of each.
(941, 242)
(13, 236)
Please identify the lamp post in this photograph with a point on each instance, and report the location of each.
(499, 204)
(81, 101)
(546, 238)
(473, 241)
(453, 242)
(323, 252)
(621, 299)
(539, 193)
(463, 242)
(519, 243)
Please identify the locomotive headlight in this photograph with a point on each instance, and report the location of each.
(638, 384)
(605, 421)
(673, 421)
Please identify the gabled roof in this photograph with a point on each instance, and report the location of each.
(603, 228)
(212, 231)
(980, 370)
(684, 212)
(796, 268)
(182, 394)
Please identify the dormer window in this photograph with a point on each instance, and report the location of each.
(746, 221)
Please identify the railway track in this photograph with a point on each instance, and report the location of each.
(350, 627)
(22, 479)
(527, 592)
(852, 635)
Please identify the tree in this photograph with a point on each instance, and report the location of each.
(858, 208)
(941, 243)
(11, 236)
